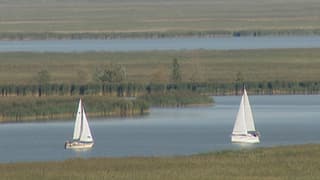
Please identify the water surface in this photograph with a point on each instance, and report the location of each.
(281, 120)
(226, 43)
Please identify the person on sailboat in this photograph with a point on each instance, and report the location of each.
(256, 134)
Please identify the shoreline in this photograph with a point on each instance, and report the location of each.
(25, 36)
(209, 153)
(18, 109)
(32, 109)
(280, 162)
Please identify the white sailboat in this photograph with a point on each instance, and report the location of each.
(82, 138)
(244, 130)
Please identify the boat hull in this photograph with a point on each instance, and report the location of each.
(248, 138)
(78, 145)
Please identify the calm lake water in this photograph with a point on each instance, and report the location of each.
(232, 43)
(281, 120)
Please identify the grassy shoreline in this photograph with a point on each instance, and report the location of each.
(46, 108)
(275, 163)
(27, 109)
(176, 99)
(24, 36)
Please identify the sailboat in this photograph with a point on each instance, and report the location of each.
(244, 130)
(82, 138)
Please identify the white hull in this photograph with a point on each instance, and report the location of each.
(249, 138)
(78, 145)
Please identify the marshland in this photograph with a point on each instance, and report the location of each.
(132, 96)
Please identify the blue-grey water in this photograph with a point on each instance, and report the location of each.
(281, 120)
(225, 43)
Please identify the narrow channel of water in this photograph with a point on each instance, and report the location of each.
(227, 43)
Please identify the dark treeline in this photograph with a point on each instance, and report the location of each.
(168, 34)
(137, 89)
(259, 88)
(109, 89)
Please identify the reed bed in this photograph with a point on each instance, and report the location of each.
(25, 108)
(176, 99)
(289, 162)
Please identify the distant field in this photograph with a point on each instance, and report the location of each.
(154, 66)
(278, 163)
(171, 17)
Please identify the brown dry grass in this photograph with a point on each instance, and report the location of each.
(197, 65)
(159, 16)
(278, 163)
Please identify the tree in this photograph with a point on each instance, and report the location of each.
(113, 73)
(176, 74)
(43, 77)
(239, 82)
(239, 77)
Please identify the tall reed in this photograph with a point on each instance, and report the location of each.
(25, 108)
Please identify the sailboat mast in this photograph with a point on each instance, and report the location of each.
(248, 113)
(244, 113)
(244, 102)
(81, 125)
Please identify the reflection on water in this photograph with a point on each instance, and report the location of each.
(281, 120)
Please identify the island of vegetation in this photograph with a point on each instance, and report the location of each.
(291, 162)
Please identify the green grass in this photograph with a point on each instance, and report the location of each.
(291, 162)
(168, 17)
(154, 66)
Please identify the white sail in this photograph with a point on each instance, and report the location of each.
(240, 124)
(85, 132)
(248, 113)
(244, 130)
(77, 124)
